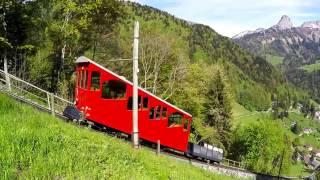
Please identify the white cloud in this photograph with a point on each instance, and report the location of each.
(230, 17)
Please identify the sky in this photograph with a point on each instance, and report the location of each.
(230, 17)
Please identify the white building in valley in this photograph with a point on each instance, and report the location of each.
(317, 115)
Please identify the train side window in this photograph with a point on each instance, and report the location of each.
(151, 114)
(185, 124)
(139, 102)
(84, 79)
(164, 112)
(158, 112)
(95, 81)
(78, 78)
(130, 103)
(113, 89)
(145, 102)
(175, 119)
(81, 79)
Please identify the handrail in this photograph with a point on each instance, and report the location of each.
(233, 163)
(32, 94)
(66, 101)
(44, 91)
(13, 77)
(29, 92)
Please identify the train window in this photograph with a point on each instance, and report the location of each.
(145, 102)
(185, 124)
(175, 119)
(113, 89)
(139, 102)
(78, 78)
(83, 79)
(95, 81)
(164, 112)
(151, 114)
(158, 112)
(130, 103)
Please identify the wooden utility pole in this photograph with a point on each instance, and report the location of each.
(135, 131)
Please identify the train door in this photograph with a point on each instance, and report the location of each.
(94, 96)
(114, 104)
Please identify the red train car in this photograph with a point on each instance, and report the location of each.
(106, 98)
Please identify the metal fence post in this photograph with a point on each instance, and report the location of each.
(6, 72)
(52, 105)
(48, 101)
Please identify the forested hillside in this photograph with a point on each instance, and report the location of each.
(187, 64)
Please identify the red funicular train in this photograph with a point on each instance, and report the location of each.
(105, 98)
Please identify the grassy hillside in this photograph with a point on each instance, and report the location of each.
(35, 145)
(311, 67)
(274, 60)
(244, 117)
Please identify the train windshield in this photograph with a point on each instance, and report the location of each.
(113, 89)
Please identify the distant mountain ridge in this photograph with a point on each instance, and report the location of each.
(284, 23)
(294, 47)
(311, 24)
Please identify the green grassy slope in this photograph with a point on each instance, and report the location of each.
(274, 60)
(312, 139)
(311, 67)
(243, 117)
(35, 145)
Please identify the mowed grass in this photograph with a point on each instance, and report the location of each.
(242, 116)
(274, 60)
(34, 145)
(298, 170)
(311, 67)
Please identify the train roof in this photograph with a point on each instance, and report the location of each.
(83, 59)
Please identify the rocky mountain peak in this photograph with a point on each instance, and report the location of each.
(311, 24)
(284, 23)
